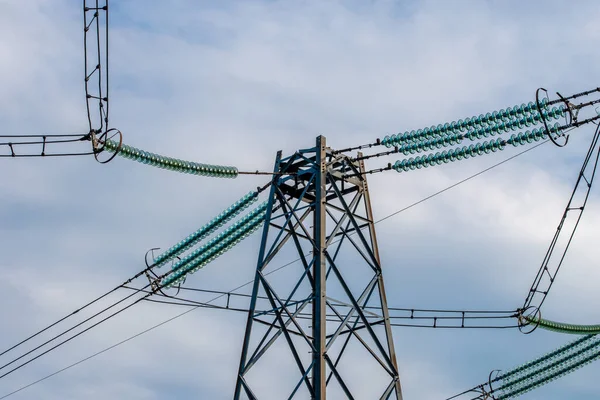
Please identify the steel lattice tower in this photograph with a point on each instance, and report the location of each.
(319, 211)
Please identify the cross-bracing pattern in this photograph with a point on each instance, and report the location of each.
(322, 315)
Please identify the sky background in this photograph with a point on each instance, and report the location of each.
(232, 82)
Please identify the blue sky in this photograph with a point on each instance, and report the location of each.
(233, 82)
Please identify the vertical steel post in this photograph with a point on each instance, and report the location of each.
(319, 272)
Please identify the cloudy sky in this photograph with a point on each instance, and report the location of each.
(232, 82)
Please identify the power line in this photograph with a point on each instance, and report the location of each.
(462, 181)
(136, 291)
(72, 313)
(414, 318)
(91, 356)
(273, 271)
(71, 337)
(41, 136)
(16, 146)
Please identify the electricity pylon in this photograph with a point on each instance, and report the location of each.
(318, 322)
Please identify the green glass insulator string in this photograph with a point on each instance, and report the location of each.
(172, 164)
(567, 355)
(478, 149)
(477, 133)
(527, 111)
(468, 123)
(213, 253)
(203, 232)
(546, 368)
(552, 375)
(574, 329)
(416, 147)
(230, 230)
(513, 125)
(545, 359)
(572, 359)
(216, 246)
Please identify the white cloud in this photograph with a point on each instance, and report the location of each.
(231, 85)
